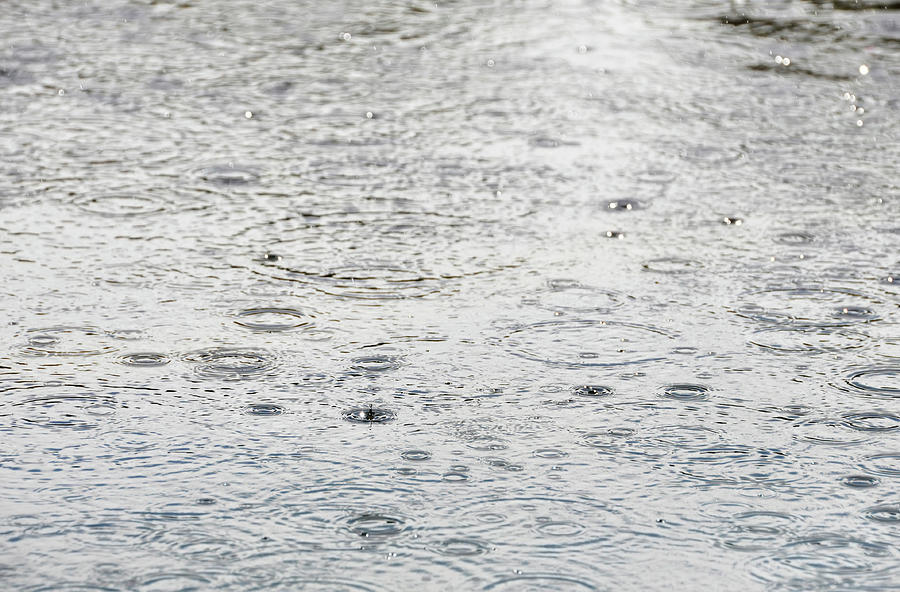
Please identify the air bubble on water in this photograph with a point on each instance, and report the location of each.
(369, 115)
(859, 123)
(61, 92)
(863, 69)
(490, 63)
(346, 36)
(784, 61)
(248, 114)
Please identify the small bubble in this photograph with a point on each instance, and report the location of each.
(248, 114)
(732, 221)
(859, 123)
(863, 69)
(615, 234)
(787, 61)
(346, 36)
(369, 115)
(490, 63)
(582, 49)
(61, 92)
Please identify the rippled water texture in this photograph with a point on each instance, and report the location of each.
(463, 295)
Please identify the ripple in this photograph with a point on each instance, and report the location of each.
(671, 265)
(884, 513)
(123, 205)
(757, 531)
(460, 547)
(572, 295)
(886, 464)
(375, 525)
(582, 343)
(794, 238)
(808, 307)
(592, 391)
(62, 407)
(377, 281)
(67, 341)
(144, 359)
(228, 175)
(809, 340)
(310, 584)
(872, 421)
(686, 392)
(876, 381)
(273, 320)
(369, 415)
(542, 522)
(264, 409)
(416, 455)
(231, 363)
(860, 481)
(375, 364)
(539, 583)
(810, 560)
(710, 155)
(829, 432)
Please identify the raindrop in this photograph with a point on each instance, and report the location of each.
(369, 414)
(686, 392)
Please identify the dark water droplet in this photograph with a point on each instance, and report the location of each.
(144, 359)
(860, 481)
(592, 391)
(686, 392)
(615, 234)
(416, 455)
(264, 409)
(271, 258)
(369, 415)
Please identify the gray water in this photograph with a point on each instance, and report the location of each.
(471, 295)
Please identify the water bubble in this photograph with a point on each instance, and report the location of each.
(686, 392)
(732, 221)
(615, 234)
(369, 415)
(273, 320)
(248, 114)
(416, 455)
(144, 359)
(264, 409)
(624, 205)
(863, 70)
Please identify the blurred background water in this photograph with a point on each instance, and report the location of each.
(463, 295)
